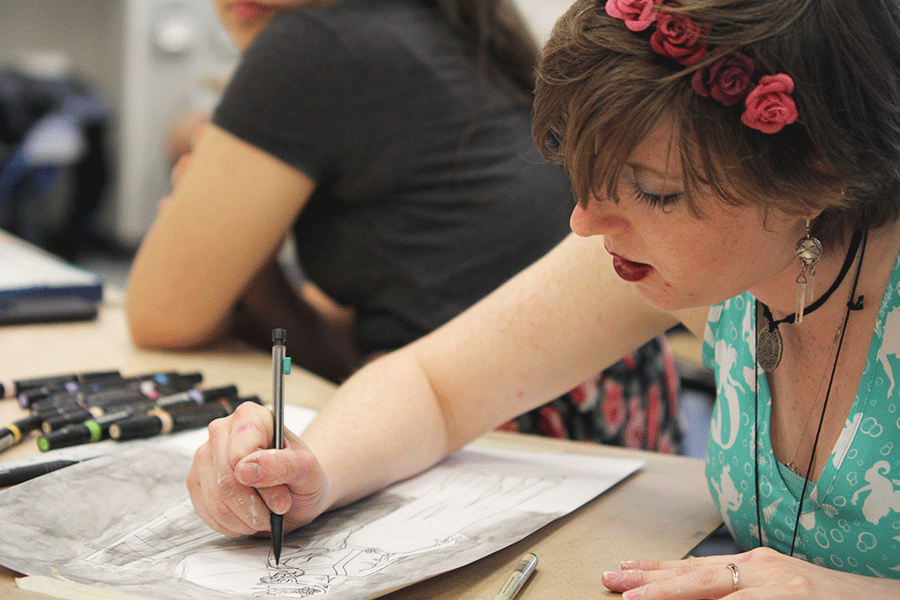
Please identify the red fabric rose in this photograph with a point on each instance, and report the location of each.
(726, 80)
(678, 37)
(637, 14)
(769, 106)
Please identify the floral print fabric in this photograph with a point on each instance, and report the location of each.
(633, 404)
(851, 518)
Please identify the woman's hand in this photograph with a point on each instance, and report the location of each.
(760, 573)
(236, 480)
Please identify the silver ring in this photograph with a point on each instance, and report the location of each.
(735, 576)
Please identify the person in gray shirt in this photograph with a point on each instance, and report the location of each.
(392, 138)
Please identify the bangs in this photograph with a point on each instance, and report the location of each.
(609, 113)
(609, 110)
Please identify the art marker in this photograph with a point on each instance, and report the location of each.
(95, 408)
(77, 402)
(151, 385)
(89, 432)
(56, 422)
(281, 365)
(195, 397)
(61, 421)
(138, 391)
(9, 389)
(62, 400)
(28, 398)
(13, 433)
(17, 475)
(176, 382)
(118, 400)
(189, 399)
(162, 422)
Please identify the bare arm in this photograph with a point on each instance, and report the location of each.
(318, 342)
(549, 328)
(214, 244)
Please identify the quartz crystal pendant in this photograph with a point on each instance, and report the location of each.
(808, 250)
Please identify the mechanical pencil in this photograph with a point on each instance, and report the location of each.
(10, 388)
(280, 366)
(518, 577)
(14, 432)
(161, 422)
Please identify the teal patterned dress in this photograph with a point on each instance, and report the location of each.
(851, 516)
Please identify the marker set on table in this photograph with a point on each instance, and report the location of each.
(91, 407)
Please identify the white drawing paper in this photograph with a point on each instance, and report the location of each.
(124, 522)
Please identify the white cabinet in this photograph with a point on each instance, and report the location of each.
(151, 60)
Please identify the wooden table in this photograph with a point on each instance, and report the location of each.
(663, 511)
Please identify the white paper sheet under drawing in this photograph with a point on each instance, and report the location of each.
(124, 523)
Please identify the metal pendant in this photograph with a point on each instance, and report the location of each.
(768, 348)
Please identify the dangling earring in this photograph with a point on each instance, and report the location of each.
(809, 249)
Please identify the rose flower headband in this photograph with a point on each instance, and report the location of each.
(768, 106)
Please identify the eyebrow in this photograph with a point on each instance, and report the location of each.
(638, 165)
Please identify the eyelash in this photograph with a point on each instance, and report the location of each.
(666, 202)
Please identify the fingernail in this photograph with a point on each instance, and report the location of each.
(619, 581)
(280, 503)
(249, 472)
(630, 564)
(613, 576)
(634, 594)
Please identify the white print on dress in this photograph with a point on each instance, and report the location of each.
(729, 497)
(882, 497)
(726, 357)
(890, 345)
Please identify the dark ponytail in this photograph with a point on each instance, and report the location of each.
(500, 38)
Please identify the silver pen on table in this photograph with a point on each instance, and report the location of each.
(280, 365)
(518, 577)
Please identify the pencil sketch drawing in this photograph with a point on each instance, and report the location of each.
(125, 522)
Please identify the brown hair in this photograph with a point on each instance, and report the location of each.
(601, 89)
(500, 38)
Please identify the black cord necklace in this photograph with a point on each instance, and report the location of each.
(768, 339)
(853, 304)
